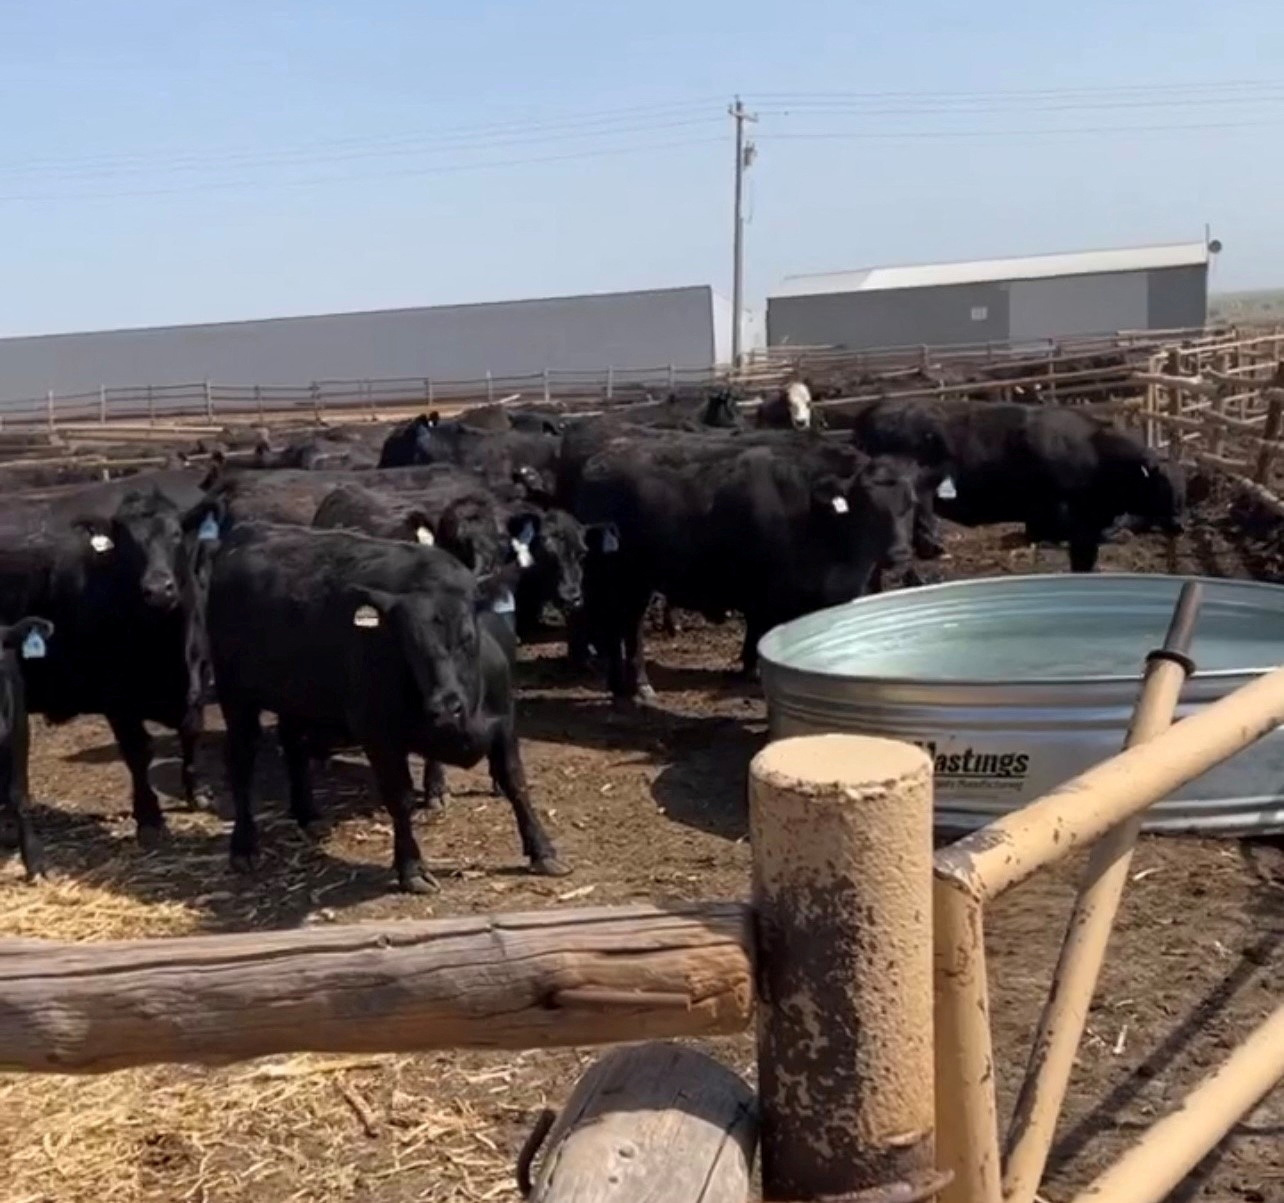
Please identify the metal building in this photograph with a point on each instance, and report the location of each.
(1033, 299)
(689, 328)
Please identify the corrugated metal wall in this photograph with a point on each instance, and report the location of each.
(1017, 310)
(588, 333)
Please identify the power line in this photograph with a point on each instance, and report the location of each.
(909, 135)
(439, 169)
(1083, 90)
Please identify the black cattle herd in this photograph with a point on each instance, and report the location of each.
(370, 590)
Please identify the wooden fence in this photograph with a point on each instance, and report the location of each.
(1055, 367)
(861, 953)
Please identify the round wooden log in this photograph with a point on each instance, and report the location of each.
(842, 854)
(652, 1122)
(560, 977)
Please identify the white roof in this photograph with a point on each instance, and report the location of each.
(977, 271)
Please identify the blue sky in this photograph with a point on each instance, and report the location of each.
(174, 161)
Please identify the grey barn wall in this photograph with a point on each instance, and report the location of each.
(1178, 297)
(895, 317)
(1163, 298)
(588, 333)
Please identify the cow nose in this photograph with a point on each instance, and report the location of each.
(161, 591)
(450, 706)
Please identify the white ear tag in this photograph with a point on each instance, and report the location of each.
(610, 542)
(366, 616)
(33, 647)
(839, 504)
(946, 490)
(1145, 471)
(504, 603)
(208, 531)
(424, 535)
(100, 543)
(523, 553)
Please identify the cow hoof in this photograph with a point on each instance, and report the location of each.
(202, 799)
(550, 866)
(152, 836)
(415, 879)
(243, 862)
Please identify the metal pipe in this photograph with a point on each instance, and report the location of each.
(1047, 1075)
(1006, 852)
(1171, 1148)
(841, 829)
(967, 1126)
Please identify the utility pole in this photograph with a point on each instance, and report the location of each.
(744, 157)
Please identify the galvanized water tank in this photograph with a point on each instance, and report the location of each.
(1015, 684)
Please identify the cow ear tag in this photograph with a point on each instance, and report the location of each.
(366, 616)
(839, 504)
(946, 490)
(610, 542)
(208, 530)
(33, 647)
(100, 543)
(424, 536)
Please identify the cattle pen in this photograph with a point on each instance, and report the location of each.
(858, 945)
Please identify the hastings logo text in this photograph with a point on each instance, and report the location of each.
(971, 765)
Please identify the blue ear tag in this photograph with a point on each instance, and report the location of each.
(33, 647)
(208, 531)
(504, 603)
(610, 542)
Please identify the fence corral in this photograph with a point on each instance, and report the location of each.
(835, 950)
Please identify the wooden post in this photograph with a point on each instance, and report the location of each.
(316, 402)
(258, 401)
(428, 393)
(652, 1122)
(1175, 437)
(209, 401)
(610, 383)
(370, 400)
(673, 377)
(534, 980)
(151, 406)
(842, 869)
(1270, 435)
(102, 403)
(490, 387)
(49, 408)
(548, 396)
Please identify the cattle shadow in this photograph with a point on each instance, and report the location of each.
(705, 786)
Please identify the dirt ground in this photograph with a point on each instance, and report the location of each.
(647, 808)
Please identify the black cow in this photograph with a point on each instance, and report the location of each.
(495, 455)
(337, 448)
(26, 639)
(789, 409)
(771, 532)
(124, 597)
(1056, 470)
(368, 642)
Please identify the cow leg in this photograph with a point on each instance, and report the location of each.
(1084, 548)
(294, 748)
(634, 675)
(507, 772)
(242, 742)
(196, 793)
(392, 774)
(136, 750)
(434, 787)
(755, 629)
(928, 544)
(13, 798)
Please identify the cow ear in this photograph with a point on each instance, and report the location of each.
(602, 538)
(829, 495)
(422, 528)
(97, 532)
(369, 609)
(29, 636)
(206, 519)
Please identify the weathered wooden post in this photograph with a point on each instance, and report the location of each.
(102, 403)
(209, 402)
(842, 887)
(490, 387)
(49, 409)
(151, 406)
(1175, 436)
(651, 1122)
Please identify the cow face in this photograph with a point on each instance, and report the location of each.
(467, 528)
(410, 444)
(798, 403)
(1159, 494)
(887, 489)
(142, 543)
(721, 411)
(434, 636)
(557, 549)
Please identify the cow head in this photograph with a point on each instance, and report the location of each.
(556, 546)
(142, 544)
(877, 506)
(797, 397)
(469, 530)
(28, 638)
(1157, 493)
(410, 443)
(432, 636)
(415, 526)
(721, 411)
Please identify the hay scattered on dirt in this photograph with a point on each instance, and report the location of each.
(286, 1129)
